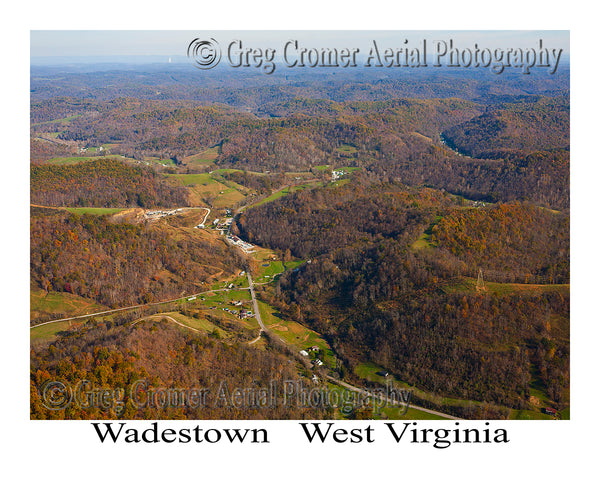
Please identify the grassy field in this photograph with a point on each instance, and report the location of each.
(380, 413)
(275, 196)
(287, 191)
(203, 186)
(268, 267)
(201, 324)
(218, 299)
(339, 183)
(228, 198)
(62, 303)
(397, 413)
(348, 169)
(469, 285)
(167, 162)
(74, 160)
(221, 171)
(528, 415)
(424, 241)
(48, 332)
(346, 149)
(202, 179)
(294, 264)
(214, 304)
(64, 120)
(267, 270)
(369, 371)
(108, 146)
(295, 334)
(94, 210)
(206, 157)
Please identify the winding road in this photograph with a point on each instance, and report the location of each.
(168, 318)
(256, 312)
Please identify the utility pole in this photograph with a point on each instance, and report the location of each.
(480, 285)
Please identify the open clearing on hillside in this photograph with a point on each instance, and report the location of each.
(286, 191)
(205, 157)
(370, 371)
(424, 241)
(346, 149)
(201, 324)
(466, 284)
(94, 210)
(62, 303)
(74, 160)
(64, 120)
(295, 334)
(206, 189)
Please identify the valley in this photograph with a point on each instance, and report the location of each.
(340, 243)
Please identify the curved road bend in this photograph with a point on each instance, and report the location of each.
(168, 318)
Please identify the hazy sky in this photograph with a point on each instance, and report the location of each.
(46, 43)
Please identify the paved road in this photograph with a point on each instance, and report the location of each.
(106, 312)
(255, 303)
(360, 390)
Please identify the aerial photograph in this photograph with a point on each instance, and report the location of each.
(299, 225)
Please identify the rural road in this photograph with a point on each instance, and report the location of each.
(168, 318)
(256, 310)
(255, 304)
(205, 216)
(106, 312)
(360, 390)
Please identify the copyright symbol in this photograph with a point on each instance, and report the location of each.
(205, 53)
(56, 395)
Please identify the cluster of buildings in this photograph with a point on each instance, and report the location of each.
(238, 242)
(156, 214)
(222, 226)
(242, 313)
(337, 174)
(317, 361)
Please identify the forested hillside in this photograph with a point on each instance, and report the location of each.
(411, 310)
(527, 126)
(512, 242)
(102, 183)
(120, 264)
(315, 222)
(114, 356)
(519, 150)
